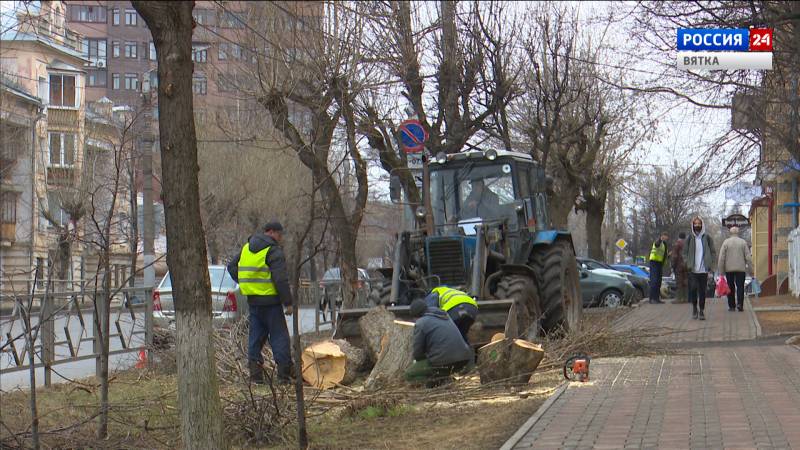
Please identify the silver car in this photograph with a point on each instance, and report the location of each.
(227, 302)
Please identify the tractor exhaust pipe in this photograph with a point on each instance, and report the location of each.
(478, 262)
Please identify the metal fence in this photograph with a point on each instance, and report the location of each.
(62, 326)
(794, 261)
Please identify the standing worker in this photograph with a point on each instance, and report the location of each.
(260, 270)
(461, 308)
(679, 269)
(734, 259)
(439, 350)
(700, 257)
(658, 257)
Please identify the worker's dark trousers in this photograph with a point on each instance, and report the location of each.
(269, 323)
(736, 285)
(697, 290)
(656, 270)
(463, 316)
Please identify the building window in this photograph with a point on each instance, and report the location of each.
(55, 209)
(96, 78)
(115, 49)
(95, 49)
(62, 149)
(204, 16)
(153, 56)
(131, 17)
(62, 90)
(87, 13)
(231, 20)
(200, 53)
(130, 49)
(230, 51)
(199, 84)
(131, 82)
(115, 81)
(8, 207)
(115, 16)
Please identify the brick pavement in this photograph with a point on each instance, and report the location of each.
(720, 324)
(728, 396)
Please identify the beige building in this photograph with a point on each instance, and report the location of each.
(47, 195)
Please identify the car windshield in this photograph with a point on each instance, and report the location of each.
(220, 280)
(472, 191)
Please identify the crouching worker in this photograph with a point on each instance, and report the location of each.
(461, 308)
(439, 349)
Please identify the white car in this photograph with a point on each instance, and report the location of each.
(227, 302)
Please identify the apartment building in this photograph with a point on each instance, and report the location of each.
(49, 136)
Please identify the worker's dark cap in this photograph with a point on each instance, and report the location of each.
(273, 226)
(418, 308)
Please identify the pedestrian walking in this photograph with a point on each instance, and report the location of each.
(658, 257)
(734, 260)
(700, 256)
(679, 269)
(260, 270)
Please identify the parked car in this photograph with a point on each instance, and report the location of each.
(639, 282)
(227, 303)
(331, 288)
(605, 289)
(632, 269)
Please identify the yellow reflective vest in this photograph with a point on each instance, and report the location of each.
(658, 254)
(450, 298)
(255, 277)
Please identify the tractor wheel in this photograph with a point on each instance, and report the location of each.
(559, 286)
(523, 291)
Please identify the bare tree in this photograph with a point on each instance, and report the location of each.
(171, 25)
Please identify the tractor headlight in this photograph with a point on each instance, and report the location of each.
(491, 155)
(441, 157)
(420, 212)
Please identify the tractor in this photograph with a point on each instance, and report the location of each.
(484, 229)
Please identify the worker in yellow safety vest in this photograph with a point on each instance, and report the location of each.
(460, 306)
(260, 270)
(658, 258)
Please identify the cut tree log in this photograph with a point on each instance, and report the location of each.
(510, 360)
(395, 355)
(373, 326)
(330, 363)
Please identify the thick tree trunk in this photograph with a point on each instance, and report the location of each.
(171, 25)
(395, 358)
(595, 213)
(509, 360)
(373, 326)
(330, 363)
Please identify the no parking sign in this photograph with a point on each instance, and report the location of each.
(412, 136)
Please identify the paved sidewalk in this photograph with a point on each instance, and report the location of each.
(729, 396)
(720, 324)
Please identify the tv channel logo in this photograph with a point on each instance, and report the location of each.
(725, 39)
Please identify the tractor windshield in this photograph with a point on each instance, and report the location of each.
(481, 192)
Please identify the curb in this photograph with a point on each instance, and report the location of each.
(520, 433)
(753, 316)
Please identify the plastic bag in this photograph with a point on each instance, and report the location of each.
(755, 286)
(722, 287)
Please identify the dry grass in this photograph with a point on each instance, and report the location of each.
(775, 322)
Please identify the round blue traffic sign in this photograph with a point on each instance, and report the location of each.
(412, 136)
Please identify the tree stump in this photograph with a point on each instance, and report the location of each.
(329, 363)
(395, 355)
(373, 326)
(511, 360)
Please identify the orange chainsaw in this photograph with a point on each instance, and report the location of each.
(576, 368)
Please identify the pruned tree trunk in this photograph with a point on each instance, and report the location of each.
(171, 25)
(330, 363)
(396, 348)
(373, 326)
(595, 214)
(509, 360)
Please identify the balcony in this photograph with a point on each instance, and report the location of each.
(61, 175)
(63, 117)
(8, 233)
